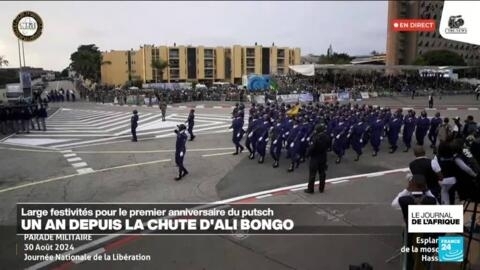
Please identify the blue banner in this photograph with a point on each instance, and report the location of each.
(258, 82)
(343, 96)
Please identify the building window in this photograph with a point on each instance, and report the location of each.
(426, 44)
(420, 43)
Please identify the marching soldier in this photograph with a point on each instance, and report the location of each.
(262, 135)
(238, 132)
(377, 129)
(408, 129)
(394, 127)
(180, 150)
(357, 133)
(423, 124)
(277, 141)
(42, 115)
(133, 125)
(433, 131)
(340, 139)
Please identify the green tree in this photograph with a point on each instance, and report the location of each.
(440, 58)
(158, 65)
(3, 61)
(64, 73)
(86, 61)
(335, 58)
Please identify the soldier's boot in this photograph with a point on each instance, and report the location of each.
(290, 169)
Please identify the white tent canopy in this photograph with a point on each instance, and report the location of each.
(306, 70)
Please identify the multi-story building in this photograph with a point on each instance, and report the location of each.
(403, 48)
(201, 64)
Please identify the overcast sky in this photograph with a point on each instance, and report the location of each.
(356, 27)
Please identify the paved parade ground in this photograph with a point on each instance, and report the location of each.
(86, 156)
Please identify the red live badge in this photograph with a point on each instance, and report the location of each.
(413, 25)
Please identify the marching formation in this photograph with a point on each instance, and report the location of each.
(290, 128)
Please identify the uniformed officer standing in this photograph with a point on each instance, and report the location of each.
(191, 122)
(42, 115)
(317, 152)
(163, 108)
(133, 125)
(180, 150)
(26, 118)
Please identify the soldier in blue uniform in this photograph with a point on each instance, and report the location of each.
(423, 124)
(238, 132)
(357, 133)
(134, 125)
(394, 127)
(191, 122)
(180, 150)
(277, 140)
(293, 142)
(408, 129)
(377, 128)
(262, 137)
(252, 137)
(433, 131)
(340, 133)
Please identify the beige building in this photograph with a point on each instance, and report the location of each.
(201, 64)
(403, 48)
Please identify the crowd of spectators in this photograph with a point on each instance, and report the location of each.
(326, 82)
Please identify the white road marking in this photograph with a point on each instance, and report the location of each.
(297, 189)
(79, 165)
(218, 154)
(341, 181)
(375, 174)
(452, 109)
(264, 196)
(473, 109)
(70, 155)
(85, 170)
(74, 159)
(66, 151)
(35, 142)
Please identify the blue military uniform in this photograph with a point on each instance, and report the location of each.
(357, 133)
(340, 133)
(423, 124)
(238, 132)
(394, 127)
(180, 151)
(134, 125)
(377, 135)
(433, 131)
(408, 129)
(262, 138)
(293, 142)
(277, 141)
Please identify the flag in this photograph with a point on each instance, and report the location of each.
(273, 85)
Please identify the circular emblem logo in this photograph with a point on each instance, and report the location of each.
(27, 26)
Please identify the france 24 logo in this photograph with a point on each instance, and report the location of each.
(450, 249)
(455, 24)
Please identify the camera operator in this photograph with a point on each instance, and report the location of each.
(317, 152)
(468, 171)
(416, 193)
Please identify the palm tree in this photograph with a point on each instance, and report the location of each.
(159, 65)
(3, 61)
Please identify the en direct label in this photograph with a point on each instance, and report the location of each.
(435, 219)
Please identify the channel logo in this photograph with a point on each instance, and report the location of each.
(450, 249)
(413, 25)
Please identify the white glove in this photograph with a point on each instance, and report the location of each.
(361, 141)
(288, 132)
(238, 135)
(308, 139)
(302, 140)
(275, 142)
(181, 154)
(338, 137)
(381, 138)
(260, 139)
(331, 135)
(250, 135)
(292, 144)
(266, 140)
